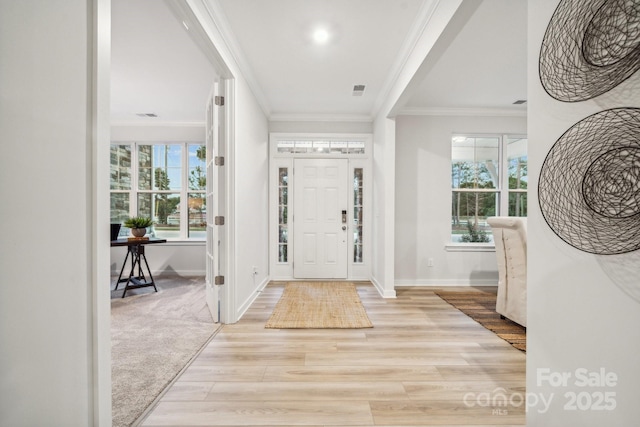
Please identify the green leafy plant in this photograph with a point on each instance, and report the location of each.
(475, 235)
(138, 222)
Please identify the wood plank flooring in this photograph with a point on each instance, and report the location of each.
(424, 363)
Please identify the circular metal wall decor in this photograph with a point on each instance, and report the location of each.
(590, 47)
(589, 188)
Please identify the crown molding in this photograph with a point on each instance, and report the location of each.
(463, 111)
(158, 124)
(425, 14)
(294, 117)
(220, 21)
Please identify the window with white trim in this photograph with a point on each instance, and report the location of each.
(488, 178)
(166, 182)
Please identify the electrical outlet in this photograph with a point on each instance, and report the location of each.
(430, 262)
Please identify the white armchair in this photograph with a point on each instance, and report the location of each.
(510, 237)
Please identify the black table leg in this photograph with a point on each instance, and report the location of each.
(124, 264)
(139, 281)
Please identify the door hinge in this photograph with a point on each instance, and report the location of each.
(219, 161)
(218, 280)
(219, 101)
(219, 220)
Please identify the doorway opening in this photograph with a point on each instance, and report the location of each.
(320, 206)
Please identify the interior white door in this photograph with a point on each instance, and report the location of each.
(215, 204)
(320, 219)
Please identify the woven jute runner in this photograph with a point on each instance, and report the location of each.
(319, 305)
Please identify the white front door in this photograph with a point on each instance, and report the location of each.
(320, 219)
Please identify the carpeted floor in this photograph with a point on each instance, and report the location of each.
(319, 305)
(480, 305)
(153, 337)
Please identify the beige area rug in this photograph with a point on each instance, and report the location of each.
(319, 305)
(153, 337)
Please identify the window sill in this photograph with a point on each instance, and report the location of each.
(186, 242)
(470, 247)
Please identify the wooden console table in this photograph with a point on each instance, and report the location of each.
(135, 248)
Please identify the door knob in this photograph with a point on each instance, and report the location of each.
(344, 227)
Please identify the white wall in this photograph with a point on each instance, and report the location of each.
(321, 126)
(176, 132)
(423, 201)
(46, 270)
(247, 229)
(578, 316)
(251, 194)
(172, 258)
(382, 270)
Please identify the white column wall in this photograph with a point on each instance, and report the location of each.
(436, 16)
(578, 316)
(423, 201)
(251, 195)
(46, 188)
(382, 270)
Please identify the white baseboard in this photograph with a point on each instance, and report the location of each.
(245, 306)
(165, 273)
(381, 291)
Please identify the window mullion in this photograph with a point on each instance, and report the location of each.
(184, 201)
(133, 193)
(504, 178)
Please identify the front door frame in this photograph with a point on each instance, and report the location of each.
(281, 160)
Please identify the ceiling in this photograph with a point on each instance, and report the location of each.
(485, 66)
(157, 67)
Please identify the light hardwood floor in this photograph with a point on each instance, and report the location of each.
(424, 363)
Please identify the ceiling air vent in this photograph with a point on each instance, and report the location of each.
(358, 90)
(520, 101)
(146, 115)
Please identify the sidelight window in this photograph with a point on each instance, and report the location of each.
(358, 211)
(283, 213)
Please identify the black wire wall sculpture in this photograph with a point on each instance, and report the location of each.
(589, 186)
(590, 47)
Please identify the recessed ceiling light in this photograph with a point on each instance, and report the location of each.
(321, 36)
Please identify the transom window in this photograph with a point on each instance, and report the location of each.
(488, 178)
(320, 146)
(166, 182)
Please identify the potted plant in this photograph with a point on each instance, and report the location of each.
(138, 225)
